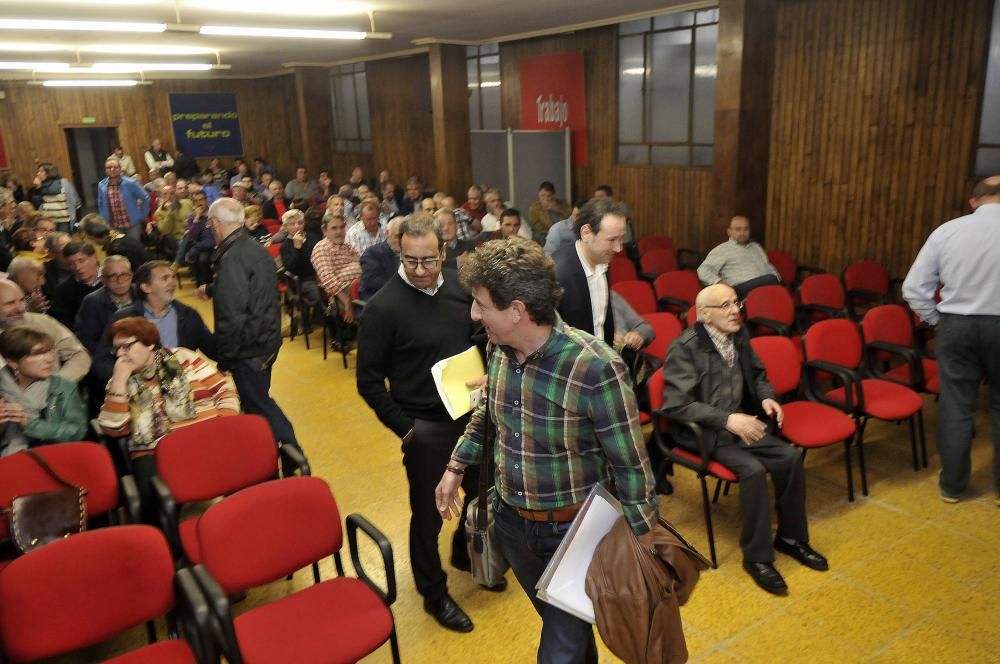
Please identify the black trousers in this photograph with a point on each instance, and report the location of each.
(968, 350)
(784, 464)
(747, 286)
(425, 457)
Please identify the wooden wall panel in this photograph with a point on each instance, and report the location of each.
(873, 125)
(32, 119)
(399, 99)
(675, 201)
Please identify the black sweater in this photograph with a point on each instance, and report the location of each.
(403, 333)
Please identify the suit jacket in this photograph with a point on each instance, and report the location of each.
(575, 307)
(378, 265)
(694, 375)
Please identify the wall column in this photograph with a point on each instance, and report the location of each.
(315, 111)
(449, 101)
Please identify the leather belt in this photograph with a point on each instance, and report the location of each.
(560, 515)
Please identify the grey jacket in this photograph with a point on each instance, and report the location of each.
(694, 374)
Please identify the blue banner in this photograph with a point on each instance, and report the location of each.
(207, 125)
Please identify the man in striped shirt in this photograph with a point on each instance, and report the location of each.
(739, 262)
(561, 405)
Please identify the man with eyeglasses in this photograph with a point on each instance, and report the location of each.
(715, 380)
(740, 262)
(419, 317)
(98, 307)
(122, 201)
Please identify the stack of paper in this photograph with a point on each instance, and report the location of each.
(450, 376)
(562, 583)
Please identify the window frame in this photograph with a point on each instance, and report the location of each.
(477, 53)
(336, 75)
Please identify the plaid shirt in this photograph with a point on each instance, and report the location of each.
(566, 420)
(119, 217)
(724, 344)
(336, 265)
(464, 223)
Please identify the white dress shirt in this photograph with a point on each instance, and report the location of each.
(597, 284)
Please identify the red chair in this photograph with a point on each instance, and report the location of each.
(657, 261)
(867, 283)
(207, 460)
(676, 291)
(701, 463)
(272, 225)
(667, 328)
(807, 424)
(638, 294)
(770, 310)
(692, 316)
(888, 334)
(621, 269)
(821, 297)
(788, 268)
(834, 347)
(654, 243)
(266, 532)
(83, 590)
(82, 464)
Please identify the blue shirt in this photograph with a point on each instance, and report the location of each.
(961, 257)
(166, 324)
(561, 233)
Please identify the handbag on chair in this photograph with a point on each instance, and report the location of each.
(488, 564)
(39, 518)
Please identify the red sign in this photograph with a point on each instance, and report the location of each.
(553, 96)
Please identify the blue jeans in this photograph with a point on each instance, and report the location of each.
(528, 546)
(253, 382)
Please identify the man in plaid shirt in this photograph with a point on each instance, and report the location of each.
(561, 405)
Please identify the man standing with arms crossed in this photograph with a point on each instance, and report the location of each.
(566, 419)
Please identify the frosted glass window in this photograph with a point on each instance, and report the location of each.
(472, 75)
(668, 84)
(483, 76)
(631, 73)
(671, 156)
(988, 154)
(703, 108)
(633, 154)
(351, 117)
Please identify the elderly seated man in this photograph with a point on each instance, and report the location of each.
(29, 274)
(739, 262)
(380, 263)
(714, 379)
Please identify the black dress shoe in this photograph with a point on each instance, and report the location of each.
(803, 553)
(498, 588)
(448, 614)
(767, 577)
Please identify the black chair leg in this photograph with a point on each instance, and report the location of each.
(923, 437)
(861, 457)
(911, 421)
(315, 567)
(725, 489)
(708, 520)
(151, 631)
(394, 644)
(718, 489)
(847, 464)
(306, 322)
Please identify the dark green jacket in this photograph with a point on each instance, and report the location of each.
(64, 417)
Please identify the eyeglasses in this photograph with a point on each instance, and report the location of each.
(726, 306)
(428, 263)
(124, 346)
(118, 276)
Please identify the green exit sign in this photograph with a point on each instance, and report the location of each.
(89, 119)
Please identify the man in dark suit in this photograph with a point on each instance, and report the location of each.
(582, 268)
(380, 263)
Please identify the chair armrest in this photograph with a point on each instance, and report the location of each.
(807, 269)
(865, 295)
(693, 262)
(295, 456)
(355, 522)
(911, 356)
(130, 494)
(193, 614)
(167, 511)
(779, 328)
(848, 377)
(663, 302)
(218, 604)
(696, 430)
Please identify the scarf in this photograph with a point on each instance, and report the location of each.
(152, 417)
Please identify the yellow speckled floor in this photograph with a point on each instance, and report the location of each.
(912, 579)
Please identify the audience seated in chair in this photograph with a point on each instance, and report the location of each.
(304, 232)
(278, 203)
(29, 274)
(715, 380)
(740, 262)
(198, 244)
(562, 232)
(38, 406)
(97, 308)
(252, 222)
(380, 263)
(454, 246)
(510, 227)
(171, 218)
(70, 293)
(546, 211)
(368, 231)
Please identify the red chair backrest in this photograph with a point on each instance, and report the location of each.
(667, 328)
(84, 589)
(781, 360)
(867, 275)
(356, 289)
(680, 284)
(621, 269)
(692, 316)
(784, 263)
(272, 225)
(654, 242)
(772, 302)
(639, 295)
(274, 250)
(267, 531)
(824, 290)
(835, 340)
(82, 464)
(890, 323)
(217, 457)
(658, 261)
(656, 385)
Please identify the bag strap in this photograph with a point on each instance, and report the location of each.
(48, 469)
(485, 459)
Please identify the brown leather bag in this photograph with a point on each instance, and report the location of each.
(39, 518)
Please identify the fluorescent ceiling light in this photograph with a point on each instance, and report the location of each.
(90, 83)
(128, 67)
(147, 49)
(36, 66)
(634, 71)
(288, 33)
(286, 8)
(26, 47)
(82, 26)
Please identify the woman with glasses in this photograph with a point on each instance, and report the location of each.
(36, 406)
(154, 390)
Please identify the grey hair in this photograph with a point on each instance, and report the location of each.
(228, 211)
(116, 258)
(21, 264)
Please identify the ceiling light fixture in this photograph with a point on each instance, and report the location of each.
(287, 33)
(129, 67)
(147, 49)
(26, 47)
(79, 26)
(35, 66)
(298, 7)
(90, 83)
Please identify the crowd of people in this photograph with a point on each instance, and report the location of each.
(91, 327)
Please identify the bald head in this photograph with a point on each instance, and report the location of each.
(986, 191)
(718, 307)
(11, 304)
(739, 229)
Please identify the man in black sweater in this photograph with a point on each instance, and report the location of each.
(420, 316)
(69, 295)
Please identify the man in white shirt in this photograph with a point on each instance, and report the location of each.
(495, 206)
(739, 262)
